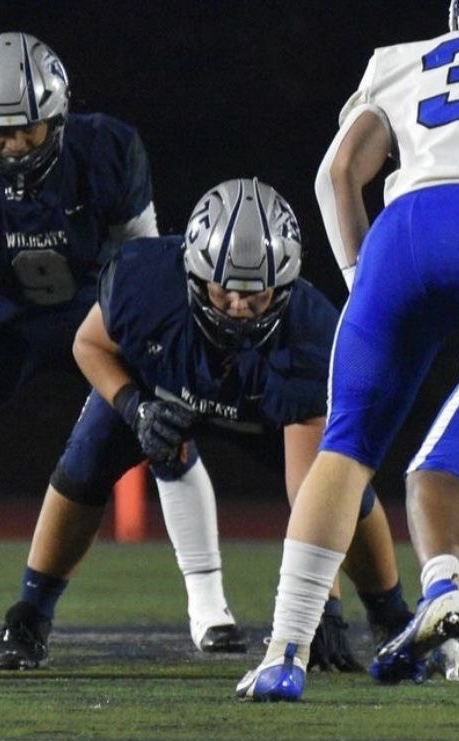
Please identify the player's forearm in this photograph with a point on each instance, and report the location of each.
(353, 159)
(343, 212)
(98, 357)
(103, 369)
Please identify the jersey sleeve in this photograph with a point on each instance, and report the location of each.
(297, 381)
(135, 196)
(140, 289)
(105, 289)
(121, 173)
(363, 93)
(363, 99)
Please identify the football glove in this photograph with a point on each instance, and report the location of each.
(161, 427)
(330, 647)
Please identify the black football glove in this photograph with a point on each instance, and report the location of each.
(330, 647)
(161, 427)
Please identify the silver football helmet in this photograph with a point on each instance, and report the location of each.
(245, 237)
(33, 88)
(453, 15)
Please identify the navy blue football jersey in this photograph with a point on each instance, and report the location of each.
(144, 302)
(50, 240)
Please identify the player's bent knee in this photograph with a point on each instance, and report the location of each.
(174, 471)
(91, 494)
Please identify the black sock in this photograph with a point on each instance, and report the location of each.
(387, 607)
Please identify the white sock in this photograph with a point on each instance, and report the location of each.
(206, 599)
(439, 567)
(306, 577)
(190, 516)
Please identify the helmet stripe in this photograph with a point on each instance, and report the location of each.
(220, 266)
(33, 107)
(271, 279)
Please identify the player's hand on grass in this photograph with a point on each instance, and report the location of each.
(330, 649)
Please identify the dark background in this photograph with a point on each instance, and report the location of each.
(218, 89)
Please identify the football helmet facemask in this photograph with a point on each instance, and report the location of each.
(245, 237)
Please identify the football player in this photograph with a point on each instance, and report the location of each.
(404, 303)
(71, 185)
(188, 335)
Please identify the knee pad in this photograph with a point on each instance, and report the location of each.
(80, 493)
(167, 472)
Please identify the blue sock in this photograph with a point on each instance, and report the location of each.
(42, 591)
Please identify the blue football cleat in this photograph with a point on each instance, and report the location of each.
(398, 666)
(436, 619)
(275, 681)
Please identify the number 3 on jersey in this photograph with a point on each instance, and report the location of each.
(44, 276)
(440, 110)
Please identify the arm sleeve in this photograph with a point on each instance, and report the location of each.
(296, 387)
(143, 225)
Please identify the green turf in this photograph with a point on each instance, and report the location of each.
(92, 693)
(335, 707)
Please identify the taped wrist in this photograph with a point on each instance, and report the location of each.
(126, 402)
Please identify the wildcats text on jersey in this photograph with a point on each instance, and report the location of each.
(22, 241)
(208, 406)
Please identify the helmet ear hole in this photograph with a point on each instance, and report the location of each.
(46, 95)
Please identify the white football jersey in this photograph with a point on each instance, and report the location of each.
(416, 88)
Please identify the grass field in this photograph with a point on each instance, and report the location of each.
(123, 666)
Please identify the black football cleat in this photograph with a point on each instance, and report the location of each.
(24, 638)
(224, 639)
